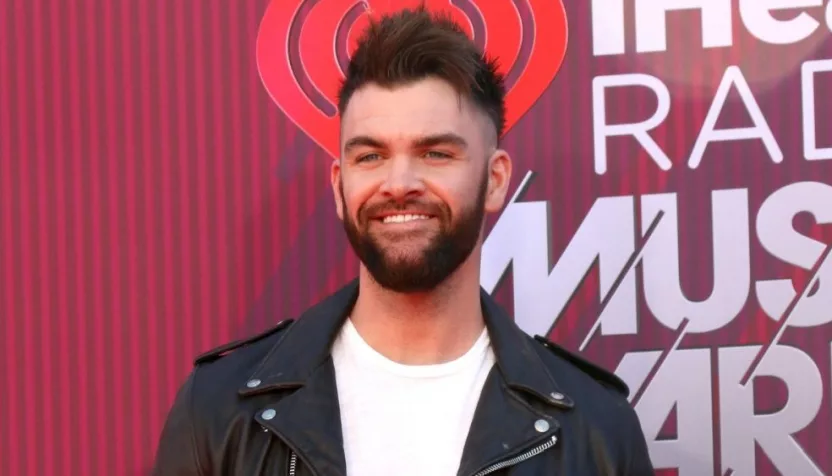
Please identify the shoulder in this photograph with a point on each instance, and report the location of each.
(203, 402)
(588, 368)
(237, 345)
(601, 401)
(217, 374)
(221, 372)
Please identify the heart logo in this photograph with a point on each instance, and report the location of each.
(303, 47)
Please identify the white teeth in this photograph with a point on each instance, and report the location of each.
(403, 218)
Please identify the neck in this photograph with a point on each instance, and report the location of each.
(422, 328)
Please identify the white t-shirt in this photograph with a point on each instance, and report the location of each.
(405, 420)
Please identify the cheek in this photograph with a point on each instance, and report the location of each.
(458, 190)
(355, 193)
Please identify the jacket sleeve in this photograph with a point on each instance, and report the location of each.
(176, 454)
(637, 455)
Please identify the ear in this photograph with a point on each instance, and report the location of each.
(499, 176)
(335, 178)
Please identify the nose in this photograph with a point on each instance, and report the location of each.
(402, 180)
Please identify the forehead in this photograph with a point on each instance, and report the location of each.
(409, 111)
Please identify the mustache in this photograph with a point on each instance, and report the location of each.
(400, 207)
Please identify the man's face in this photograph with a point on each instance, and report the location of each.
(418, 171)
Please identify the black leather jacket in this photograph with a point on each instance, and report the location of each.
(268, 406)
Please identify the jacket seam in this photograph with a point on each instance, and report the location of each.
(270, 353)
(194, 448)
(545, 367)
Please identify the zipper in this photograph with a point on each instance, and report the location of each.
(520, 458)
(293, 458)
(293, 462)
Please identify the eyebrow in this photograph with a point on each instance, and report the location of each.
(446, 138)
(362, 141)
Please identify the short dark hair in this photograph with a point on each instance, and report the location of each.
(415, 44)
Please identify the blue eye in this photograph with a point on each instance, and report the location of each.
(367, 157)
(437, 155)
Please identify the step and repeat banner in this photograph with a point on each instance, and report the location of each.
(164, 189)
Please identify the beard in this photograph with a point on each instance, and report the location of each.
(399, 267)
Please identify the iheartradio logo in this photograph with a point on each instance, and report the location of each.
(303, 48)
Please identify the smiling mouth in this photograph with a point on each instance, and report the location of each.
(404, 218)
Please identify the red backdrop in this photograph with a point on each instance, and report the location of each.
(155, 201)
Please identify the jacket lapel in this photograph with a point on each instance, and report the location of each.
(518, 360)
(309, 422)
(308, 418)
(504, 426)
(510, 417)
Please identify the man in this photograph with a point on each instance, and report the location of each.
(412, 369)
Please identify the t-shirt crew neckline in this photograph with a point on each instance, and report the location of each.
(362, 352)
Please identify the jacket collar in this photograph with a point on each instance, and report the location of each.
(308, 418)
(306, 344)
